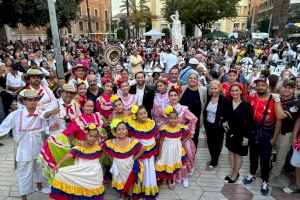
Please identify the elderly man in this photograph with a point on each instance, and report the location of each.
(93, 91)
(191, 68)
(173, 78)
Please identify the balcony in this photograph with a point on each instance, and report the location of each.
(93, 18)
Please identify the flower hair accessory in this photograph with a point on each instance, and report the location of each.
(168, 110)
(79, 81)
(114, 123)
(165, 81)
(113, 98)
(105, 80)
(176, 88)
(92, 126)
(120, 81)
(134, 109)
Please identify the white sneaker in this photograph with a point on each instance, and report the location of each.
(44, 190)
(185, 182)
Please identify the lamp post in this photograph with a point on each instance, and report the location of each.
(55, 39)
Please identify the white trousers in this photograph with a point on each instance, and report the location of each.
(28, 172)
(283, 146)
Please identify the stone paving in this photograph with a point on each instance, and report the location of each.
(204, 185)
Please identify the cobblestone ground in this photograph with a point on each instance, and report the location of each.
(204, 185)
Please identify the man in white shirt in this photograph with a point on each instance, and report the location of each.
(34, 78)
(171, 60)
(14, 81)
(27, 127)
(63, 111)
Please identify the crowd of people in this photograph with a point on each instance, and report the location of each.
(137, 124)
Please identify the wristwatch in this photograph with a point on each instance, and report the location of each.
(277, 99)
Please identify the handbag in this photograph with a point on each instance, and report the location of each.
(260, 128)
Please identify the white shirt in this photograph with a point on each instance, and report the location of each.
(31, 144)
(15, 81)
(211, 112)
(171, 61)
(140, 96)
(59, 118)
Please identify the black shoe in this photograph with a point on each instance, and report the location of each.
(231, 181)
(227, 178)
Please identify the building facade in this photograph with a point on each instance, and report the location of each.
(100, 14)
(156, 8)
(238, 23)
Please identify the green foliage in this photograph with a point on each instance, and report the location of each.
(294, 13)
(201, 12)
(35, 12)
(263, 26)
(167, 32)
(189, 29)
(139, 12)
(121, 34)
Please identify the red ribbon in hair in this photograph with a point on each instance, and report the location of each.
(105, 80)
(120, 81)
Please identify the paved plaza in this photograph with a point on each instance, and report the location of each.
(204, 185)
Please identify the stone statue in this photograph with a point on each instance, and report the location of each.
(176, 30)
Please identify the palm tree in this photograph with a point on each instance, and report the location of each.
(137, 11)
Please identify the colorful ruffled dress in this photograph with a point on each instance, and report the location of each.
(172, 154)
(187, 118)
(125, 171)
(83, 180)
(104, 106)
(128, 101)
(160, 103)
(56, 147)
(146, 133)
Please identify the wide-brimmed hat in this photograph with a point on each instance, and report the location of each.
(68, 88)
(77, 66)
(29, 94)
(33, 72)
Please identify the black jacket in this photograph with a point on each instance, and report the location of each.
(222, 102)
(148, 97)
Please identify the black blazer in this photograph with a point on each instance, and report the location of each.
(222, 102)
(148, 97)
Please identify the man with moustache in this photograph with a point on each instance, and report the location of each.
(143, 92)
(34, 78)
(93, 91)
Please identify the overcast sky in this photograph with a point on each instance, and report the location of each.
(116, 6)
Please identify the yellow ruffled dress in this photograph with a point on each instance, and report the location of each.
(83, 180)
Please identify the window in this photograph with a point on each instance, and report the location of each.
(89, 24)
(81, 25)
(245, 10)
(97, 26)
(69, 30)
(80, 11)
(236, 26)
(243, 26)
(96, 12)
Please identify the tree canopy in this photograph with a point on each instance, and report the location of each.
(201, 12)
(35, 12)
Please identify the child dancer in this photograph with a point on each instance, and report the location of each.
(171, 153)
(83, 180)
(103, 104)
(125, 152)
(145, 130)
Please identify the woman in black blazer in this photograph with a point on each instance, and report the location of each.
(238, 124)
(213, 117)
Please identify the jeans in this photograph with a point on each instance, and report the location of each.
(261, 148)
(214, 139)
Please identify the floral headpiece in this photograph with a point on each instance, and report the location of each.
(168, 110)
(177, 89)
(165, 81)
(80, 81)
(114, 123)
(113, 98)
(105, 80)
(134, 110)
(120, 81)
